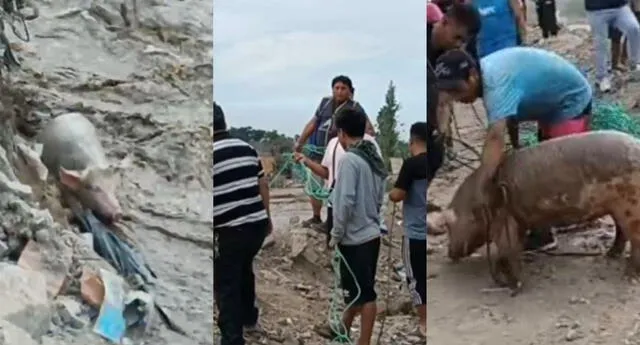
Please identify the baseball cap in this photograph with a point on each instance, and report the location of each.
(453, 68)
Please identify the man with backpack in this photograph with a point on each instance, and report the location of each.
(321, 126)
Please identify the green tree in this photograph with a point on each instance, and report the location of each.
(387, 135)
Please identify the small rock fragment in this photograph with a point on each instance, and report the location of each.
(42, 236)
(69, 311)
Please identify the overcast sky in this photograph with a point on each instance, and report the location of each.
(274, 60)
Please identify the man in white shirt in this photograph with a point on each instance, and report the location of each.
(327, 169)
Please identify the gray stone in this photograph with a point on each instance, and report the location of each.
(3, 247)
(42, 236)
(23, 297)
(70, 312)
(12, 334)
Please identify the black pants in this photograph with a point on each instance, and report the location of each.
(546, 10)
(362, 261)
(234, 281)
(329, 223)
(414, 257)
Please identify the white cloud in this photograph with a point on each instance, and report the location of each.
(293, 52)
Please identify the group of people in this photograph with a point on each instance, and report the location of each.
(353, 170)
(515, 84)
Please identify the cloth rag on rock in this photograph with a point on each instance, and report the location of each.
(127, 260)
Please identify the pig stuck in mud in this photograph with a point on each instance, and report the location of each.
(72, 153)
(560, 182)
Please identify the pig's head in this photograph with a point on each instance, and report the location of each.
(465, 230)
(462, 220)
(94, 187)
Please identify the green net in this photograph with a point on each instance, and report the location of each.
(605, 116)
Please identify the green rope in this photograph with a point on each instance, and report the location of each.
(335, 312)
(301, 173)
(605, 116)
(317, 191)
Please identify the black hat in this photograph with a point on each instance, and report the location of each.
(453, 68)
(218, 118)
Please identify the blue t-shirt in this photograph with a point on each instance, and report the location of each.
(532, 84)
(499, 29)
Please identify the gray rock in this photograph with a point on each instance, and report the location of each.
(23, 297)
(42, 236)
(12, 334)
(3, 247)
(70, 312)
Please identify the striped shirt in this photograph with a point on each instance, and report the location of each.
(236, 193)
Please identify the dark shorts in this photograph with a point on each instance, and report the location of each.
(414, 256)
(363, 262)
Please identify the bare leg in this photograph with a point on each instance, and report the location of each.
(367, 320)
(422, 319)
(348, 317)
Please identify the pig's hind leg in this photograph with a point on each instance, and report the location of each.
(510, 242)
(627, 219)
(619, 243)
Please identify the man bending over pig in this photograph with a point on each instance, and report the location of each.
(518, 84)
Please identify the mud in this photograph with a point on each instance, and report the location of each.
(581, 300)
(149, 93)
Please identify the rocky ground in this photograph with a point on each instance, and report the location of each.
(579, 300)
(148, 90)
(295, 281)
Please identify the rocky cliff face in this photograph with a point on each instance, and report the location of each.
(147, 86)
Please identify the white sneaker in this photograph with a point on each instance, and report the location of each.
(604, 85)
(634, 73)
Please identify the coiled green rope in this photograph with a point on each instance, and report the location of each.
(317, 191)
(301, 173)
(605, 116)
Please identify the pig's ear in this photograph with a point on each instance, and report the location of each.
(70, 178)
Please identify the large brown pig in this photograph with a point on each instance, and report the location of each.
(560, 182)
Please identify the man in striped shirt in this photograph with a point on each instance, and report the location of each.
(241, 221)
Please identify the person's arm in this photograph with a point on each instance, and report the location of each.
(307, 131)
(403, 183)
(344, 196)
(519, 14)
(263, 184)
(514, 133)
(317, 168)
(369, 129)
(492, 152)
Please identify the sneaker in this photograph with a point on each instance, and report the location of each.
(255, 330)
(634, 73)
(312, 222)
(540, 241)
(604, 85)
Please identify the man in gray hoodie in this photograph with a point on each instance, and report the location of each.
(357, 198)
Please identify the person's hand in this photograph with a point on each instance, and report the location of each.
(299, 157)
(270, 227)
(333, 242)
(297, 147)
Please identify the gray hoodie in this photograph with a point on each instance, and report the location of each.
(356, 202)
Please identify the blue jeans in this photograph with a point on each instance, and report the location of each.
(622, 19)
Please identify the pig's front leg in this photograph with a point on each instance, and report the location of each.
(69, 200)
(509, 240)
